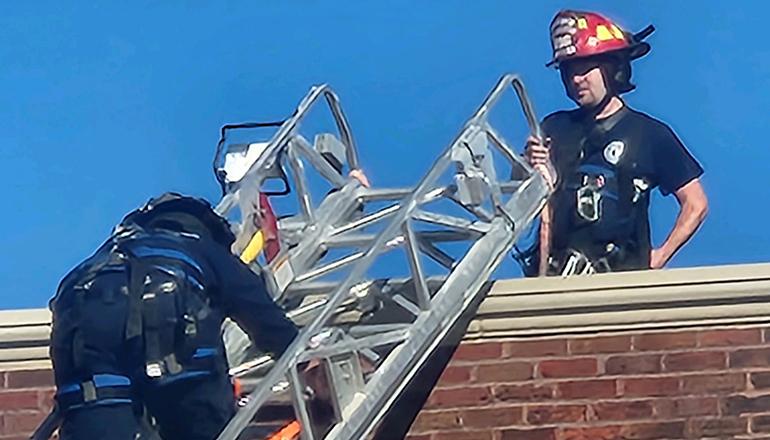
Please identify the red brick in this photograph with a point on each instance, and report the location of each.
(55, 437)
(729, 338)
(528, 434)
(635, 364)
(587, 389)
(478, 351)
(760, 380)
(29, 379)
(19, 423)
(695, 361)
(664, 341)
(504, 372)
(650, 386)
(623, 410)
(437, 420)
(760, 424)
(766, 335)
(737, 405)
(453, 375)
(713, 383)
(547, 414)
(649, 431)
(17, 400)
(717, 427)
(523, 349)
(590, 433)
(602, 344)
(686, 407)
(526, 392)
(418, 437)
(750, 357)
(463, 435)
(488, 417)
(456, 397)
(45, 398)
(576, 367)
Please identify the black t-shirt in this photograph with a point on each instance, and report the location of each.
(607, 169)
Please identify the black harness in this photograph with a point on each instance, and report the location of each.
(169, 314)
(603, 197)
(583, 192)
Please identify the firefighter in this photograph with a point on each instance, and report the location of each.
(137, 326)
(604, 159)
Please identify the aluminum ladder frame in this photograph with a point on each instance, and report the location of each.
(362, 402)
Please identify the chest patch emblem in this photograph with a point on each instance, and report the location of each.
(614, 151)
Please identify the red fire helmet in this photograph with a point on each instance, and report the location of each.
(578, 34)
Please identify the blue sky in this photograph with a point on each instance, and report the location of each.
(104, 105)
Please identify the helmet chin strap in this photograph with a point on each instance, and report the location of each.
(592, 111)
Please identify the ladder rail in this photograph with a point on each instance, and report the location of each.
(253, 178)
(460, 289)
(258, 397)
(526, 201)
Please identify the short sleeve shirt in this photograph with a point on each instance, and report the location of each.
(607, 169)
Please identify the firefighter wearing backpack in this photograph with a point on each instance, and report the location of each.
(137, 325)
(605, 158)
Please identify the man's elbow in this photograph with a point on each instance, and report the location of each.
(694, 202)
(699, 207)
(703, 209)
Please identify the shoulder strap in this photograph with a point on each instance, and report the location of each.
(166, 301)
(627, 168)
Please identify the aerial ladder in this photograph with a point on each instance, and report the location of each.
(366, 331)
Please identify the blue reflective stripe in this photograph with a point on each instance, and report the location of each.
(195, 281)
(146, 251)
(181, 376)
(111, 380)
(596, 169)
(204, 352)
(69, 388)
(100, 381)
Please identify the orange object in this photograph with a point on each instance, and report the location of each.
(237, 387)
(545, 239)
(268, 223)
(288, 432)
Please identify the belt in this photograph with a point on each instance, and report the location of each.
(101, 389)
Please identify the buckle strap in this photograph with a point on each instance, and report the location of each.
(101, 389)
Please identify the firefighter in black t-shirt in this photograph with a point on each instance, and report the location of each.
(604, 159)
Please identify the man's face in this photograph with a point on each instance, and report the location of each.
(583, 81)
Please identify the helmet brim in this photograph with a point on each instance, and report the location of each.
(188, 214)
(636, 50)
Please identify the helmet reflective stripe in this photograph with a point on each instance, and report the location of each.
(562, 21)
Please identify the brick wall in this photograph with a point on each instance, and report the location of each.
(701, 383)
(25, 399)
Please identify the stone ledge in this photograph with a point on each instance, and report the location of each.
(719, 295)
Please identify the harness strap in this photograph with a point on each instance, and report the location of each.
(101, 389)
(137, 274)
(153, 354)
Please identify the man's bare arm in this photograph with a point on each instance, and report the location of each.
(693, 207)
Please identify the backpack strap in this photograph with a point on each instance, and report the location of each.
(166, 300)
